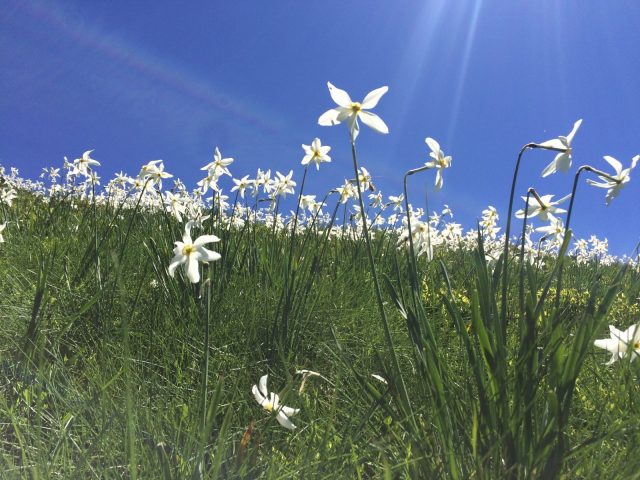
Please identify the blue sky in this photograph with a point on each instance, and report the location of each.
(145, 80)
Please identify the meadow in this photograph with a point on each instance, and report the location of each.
(150, 331)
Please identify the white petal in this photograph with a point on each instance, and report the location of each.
(329, 118)
(573, 132)
(203, 239)
(288, 411)
(373, 121)
(284, 421)
(257, 395)
(555, 143)
(192, 269)
(433, 145)
(617, 166)
(563, 162)
(175, 262)
(208, 255)
(551, 168)
(372, 98)
(341, 97)
(439, 179)
(263, 385)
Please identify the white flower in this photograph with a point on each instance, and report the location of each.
(555, 230)
(619, 178)
(241, 185)
(83, 164)
(154, 172)
(396, 201)
(621, 342)
(271, 403)
(350, 111)
(544, 211)
(315, 153)
(219, 164)
(174, 205)
(346, 191)
(284, 184)
(562, 161)
(189, 253)
(2, 227)
(440, 161)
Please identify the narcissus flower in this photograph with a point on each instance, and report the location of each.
(190, 253)
(82, 165)
(2, 227)
(562, 161)
(350, 111)
(271, 403)
(315, 153)
(621, 342)
(617, 180)
(219, 164)
(439, 160)
(544, 210)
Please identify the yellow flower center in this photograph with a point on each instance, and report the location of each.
(636, 346)
(356, 107)
(268, 406)
(188, 249)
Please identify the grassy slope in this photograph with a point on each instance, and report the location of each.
(109, 382)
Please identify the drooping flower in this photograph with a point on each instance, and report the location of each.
(544, 210)
(190, 253)
(350, 111)
(440, 161)
(562, 162)
(617, 180)
(621, 342)
(271, 402)
(315, 153)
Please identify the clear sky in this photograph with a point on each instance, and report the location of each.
(151, 79)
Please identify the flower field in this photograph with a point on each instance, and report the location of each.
(248, 328)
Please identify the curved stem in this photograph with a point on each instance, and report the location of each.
(505, 256)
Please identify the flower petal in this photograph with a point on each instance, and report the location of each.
(329, 118)
(203, 239)
(192, 269)
(555, 143)
(617, 166)
(372, 98)
(262, 384)
(341, 97)
(373, 121)
(207, 255)
(175, 262)
(573, 131)
(257, 395)
(284, 421)
(433, 145)
(288, 411)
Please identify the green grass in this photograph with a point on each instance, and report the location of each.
(102, 358)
